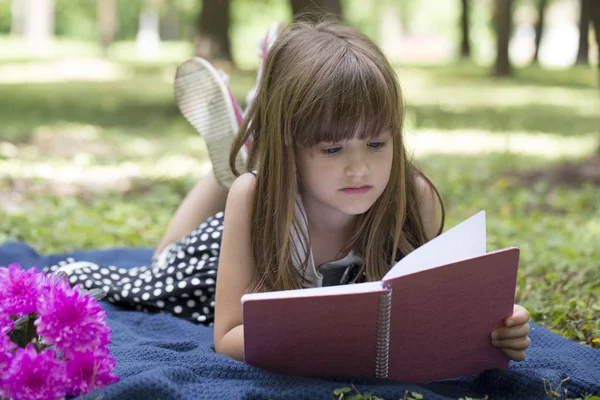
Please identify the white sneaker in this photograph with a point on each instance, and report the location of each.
(206, 102)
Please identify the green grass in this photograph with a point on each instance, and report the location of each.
(102, 164)
(352, 393)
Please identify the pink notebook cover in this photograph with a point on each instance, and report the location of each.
(318, 336)
(442, 318)
(441, 321)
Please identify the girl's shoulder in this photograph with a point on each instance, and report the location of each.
(238, 206)
(243, 184)
(240, 198)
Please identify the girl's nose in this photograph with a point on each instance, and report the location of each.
(356, 167)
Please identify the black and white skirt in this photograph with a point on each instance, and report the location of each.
(180, 281)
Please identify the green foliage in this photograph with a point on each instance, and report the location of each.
(246, 32)
(537, 100)
(347, 393)
(78, 19)
(353, 394)
(75, 19)
(5, 16)
(555, 393)
(57, 223)
(129, 14)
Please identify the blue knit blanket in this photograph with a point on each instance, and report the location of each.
(162, 357)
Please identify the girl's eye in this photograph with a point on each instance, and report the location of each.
(331, 150)
(376, 145)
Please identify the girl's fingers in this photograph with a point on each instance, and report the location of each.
(519, 317)
(513, 344)
(511, 333)
(517, 355)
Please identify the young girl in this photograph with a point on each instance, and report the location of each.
(328, 195)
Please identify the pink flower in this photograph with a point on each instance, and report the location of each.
(19, 290)
(6, 324)
(34, 376)
(6, 345)
(71, 321)
(87, 371)
(65, 319)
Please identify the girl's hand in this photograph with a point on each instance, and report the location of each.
(513, 338)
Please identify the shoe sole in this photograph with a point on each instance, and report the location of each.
(204, 101)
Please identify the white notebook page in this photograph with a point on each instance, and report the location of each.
(365, 287)
(465, 240)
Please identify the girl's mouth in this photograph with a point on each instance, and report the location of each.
(356, 190)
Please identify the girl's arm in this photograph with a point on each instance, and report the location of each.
(236, 268)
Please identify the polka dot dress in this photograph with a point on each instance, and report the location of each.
(181, 280)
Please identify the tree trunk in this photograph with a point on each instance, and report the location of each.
(213, 28)
(584, 31)
(107, 23)
(539, 28)
(595, 17)
(465, 48)
(502, 17)
(170, 22)
(319, 7)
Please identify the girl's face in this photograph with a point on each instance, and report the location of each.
(348, 176)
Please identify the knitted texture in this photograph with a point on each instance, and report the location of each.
(162, 357)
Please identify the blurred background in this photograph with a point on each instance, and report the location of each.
(503, 114)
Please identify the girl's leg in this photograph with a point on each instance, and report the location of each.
(206, 199)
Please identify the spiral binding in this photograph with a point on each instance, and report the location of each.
(382, 345)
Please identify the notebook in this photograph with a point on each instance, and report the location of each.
(428, 319)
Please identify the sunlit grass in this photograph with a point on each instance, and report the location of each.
(422, 142)
(581, 77)
(79, 154)
(17, 50)
(68, 70)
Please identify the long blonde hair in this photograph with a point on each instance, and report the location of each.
(325, 81)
